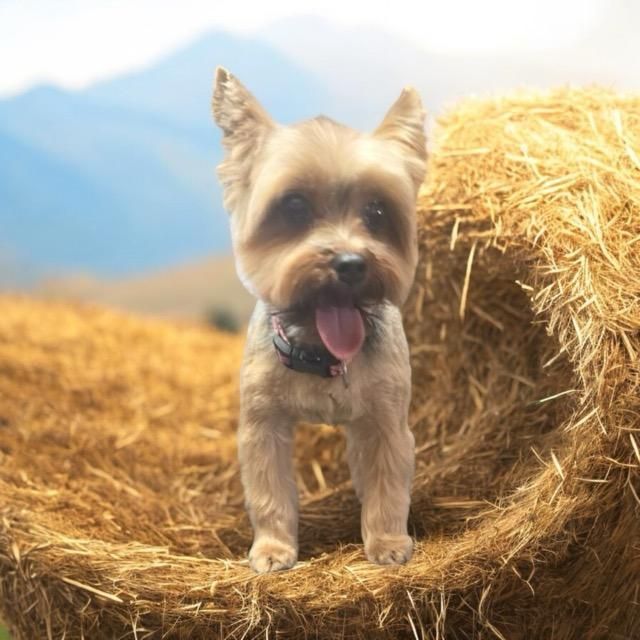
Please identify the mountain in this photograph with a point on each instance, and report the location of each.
(365, 67)
(34, 180)
(119, 178)
(87, 186)
(179, 87)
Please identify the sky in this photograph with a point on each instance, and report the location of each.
(73, 43)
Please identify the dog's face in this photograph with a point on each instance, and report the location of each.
(320, 213)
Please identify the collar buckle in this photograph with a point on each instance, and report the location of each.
(312, 360)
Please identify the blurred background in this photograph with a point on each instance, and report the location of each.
(107, 148)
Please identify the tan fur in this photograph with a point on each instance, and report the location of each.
(339, 171)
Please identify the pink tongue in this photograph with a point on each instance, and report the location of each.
(341, 330)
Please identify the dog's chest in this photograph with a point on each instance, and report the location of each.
(330, 401)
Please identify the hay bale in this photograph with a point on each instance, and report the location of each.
(121, 506)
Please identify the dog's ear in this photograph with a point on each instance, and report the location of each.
(235, 110)
(404, 125)
(245, 125)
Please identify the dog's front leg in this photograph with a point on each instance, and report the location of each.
(381, 452)
(265, 443)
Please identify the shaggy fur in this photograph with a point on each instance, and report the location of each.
(288, 266)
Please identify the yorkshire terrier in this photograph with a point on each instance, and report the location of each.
(324, 234)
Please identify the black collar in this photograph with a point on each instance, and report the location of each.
(305, 359)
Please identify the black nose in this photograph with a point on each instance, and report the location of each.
(350, 267)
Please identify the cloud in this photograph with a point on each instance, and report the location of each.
(74, 43)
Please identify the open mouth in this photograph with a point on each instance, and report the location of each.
(340, 322)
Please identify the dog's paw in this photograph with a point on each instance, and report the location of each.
(389, 549)
(269, 554)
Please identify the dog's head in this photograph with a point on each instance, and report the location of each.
(321, 215)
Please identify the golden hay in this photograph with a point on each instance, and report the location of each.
(122, 511)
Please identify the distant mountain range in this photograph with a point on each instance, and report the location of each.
(363, 68)
(119, 178)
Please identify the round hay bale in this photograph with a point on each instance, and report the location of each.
(122, 510)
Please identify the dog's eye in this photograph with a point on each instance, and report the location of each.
(375, 215)
(296, 210)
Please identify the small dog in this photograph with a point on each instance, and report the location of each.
(324, 235)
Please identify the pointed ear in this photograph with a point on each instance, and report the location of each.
(236, 111)
(245, 125)
(404, 125)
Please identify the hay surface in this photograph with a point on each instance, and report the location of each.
(122, 511)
